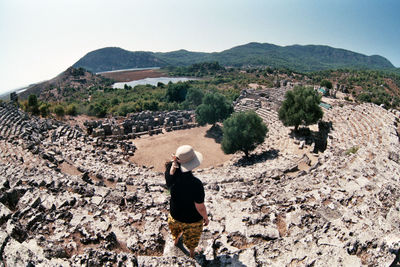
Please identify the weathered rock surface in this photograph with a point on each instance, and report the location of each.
(68, 203)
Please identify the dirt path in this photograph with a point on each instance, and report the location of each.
(155, 150)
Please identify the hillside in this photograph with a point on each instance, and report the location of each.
(70, 81)
(114, 58)
(295, 57)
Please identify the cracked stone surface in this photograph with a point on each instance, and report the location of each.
(68, 203)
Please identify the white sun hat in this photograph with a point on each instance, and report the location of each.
(188, 158)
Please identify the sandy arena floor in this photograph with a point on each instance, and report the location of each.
(155, 150)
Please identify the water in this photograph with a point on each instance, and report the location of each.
(152, 81)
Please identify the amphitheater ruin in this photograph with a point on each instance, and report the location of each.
(70, 197)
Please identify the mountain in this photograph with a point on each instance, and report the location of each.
(301, 58)
(296, 57)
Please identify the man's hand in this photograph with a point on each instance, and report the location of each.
(201, 208)
(175, 164)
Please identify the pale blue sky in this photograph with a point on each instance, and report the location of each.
(42, 38)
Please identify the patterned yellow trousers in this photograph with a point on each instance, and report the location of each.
(191, 231)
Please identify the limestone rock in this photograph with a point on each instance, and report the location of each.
(16, 231)
(5, 214)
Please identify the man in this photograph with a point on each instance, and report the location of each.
(188, 214)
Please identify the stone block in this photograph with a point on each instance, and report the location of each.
(107, 129)
(98, 133)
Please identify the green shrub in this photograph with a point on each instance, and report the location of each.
(352, 150)
(59, 110)
(44, 109)
(71, 110)
(326, 83)
(115, 102)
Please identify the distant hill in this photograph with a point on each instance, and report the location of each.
(184, 58)
(63, 85)
(296, 57)
(115, 58)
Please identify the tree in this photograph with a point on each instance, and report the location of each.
(33, 105)
(243, 131)
(176, 92)
(326, 83)
(194, 96)
(301, 106)
(32, 100)
(214, 108)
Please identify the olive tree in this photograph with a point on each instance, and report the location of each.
(301, 106)
(243, 131)
(215, 108)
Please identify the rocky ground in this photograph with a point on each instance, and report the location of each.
(67, 199)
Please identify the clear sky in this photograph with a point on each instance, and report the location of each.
(42, 38)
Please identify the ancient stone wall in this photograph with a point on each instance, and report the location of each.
(269, 98)
(141, 123)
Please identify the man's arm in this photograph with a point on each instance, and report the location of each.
(201, 208)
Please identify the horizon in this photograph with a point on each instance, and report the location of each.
(44, 38)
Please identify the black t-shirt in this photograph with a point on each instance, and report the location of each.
(185, 190)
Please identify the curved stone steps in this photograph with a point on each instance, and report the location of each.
(14, 153)
(363, 126)
(278, 134)
(14, 122)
